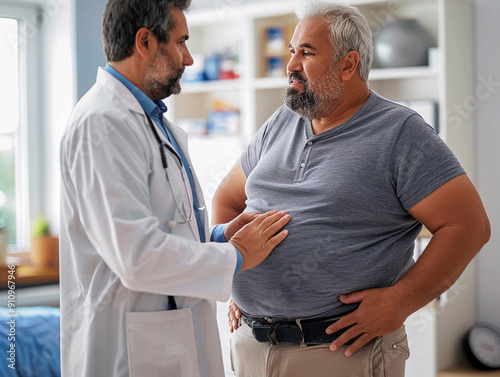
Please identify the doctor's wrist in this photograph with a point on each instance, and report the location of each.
(218, 233)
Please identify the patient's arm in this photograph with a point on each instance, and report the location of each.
(229, 199)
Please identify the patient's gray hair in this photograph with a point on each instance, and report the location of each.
(349, 30)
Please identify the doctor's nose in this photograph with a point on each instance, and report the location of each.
(188, 59)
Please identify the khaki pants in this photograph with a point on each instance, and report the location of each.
(382, 357)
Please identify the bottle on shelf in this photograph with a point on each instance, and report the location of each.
(276, 50)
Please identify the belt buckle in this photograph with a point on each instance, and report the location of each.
(277, 333)
(288, 333)
(262, 332)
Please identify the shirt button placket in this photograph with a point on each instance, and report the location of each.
(302, 165)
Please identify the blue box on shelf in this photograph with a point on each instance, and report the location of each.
(223, 122)
(212, 66)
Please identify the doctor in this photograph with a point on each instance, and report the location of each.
(137, 285)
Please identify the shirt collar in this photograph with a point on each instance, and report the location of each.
(154, 109)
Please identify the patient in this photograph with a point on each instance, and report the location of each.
(359, 175)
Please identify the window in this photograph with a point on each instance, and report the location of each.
(13, 181)
(9, 123)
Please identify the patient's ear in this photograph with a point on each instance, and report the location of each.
(349, 65)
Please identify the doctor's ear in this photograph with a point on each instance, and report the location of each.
(143, 42)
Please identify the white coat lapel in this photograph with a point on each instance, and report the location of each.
(114, 85)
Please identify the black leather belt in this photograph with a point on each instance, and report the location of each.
(268, 330)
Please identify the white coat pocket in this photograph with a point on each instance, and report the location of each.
(161, 344)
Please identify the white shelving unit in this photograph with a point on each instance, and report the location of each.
(436, 332)
(211, 86)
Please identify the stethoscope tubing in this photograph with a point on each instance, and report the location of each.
(162, 145)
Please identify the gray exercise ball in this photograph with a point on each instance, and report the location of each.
(402, 43)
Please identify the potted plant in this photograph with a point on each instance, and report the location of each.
(44, 250)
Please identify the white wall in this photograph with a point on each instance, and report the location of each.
(88, 48)
(488, 152)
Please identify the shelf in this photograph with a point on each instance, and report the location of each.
(271, 83)
(403, 73)
(210, 86)
(467, 371)
(229, 136)
(28, 275)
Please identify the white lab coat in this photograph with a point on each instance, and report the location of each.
(119, 258)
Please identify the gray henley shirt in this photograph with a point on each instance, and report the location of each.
(348, 190)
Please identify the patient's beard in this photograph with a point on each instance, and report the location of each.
(317, 100)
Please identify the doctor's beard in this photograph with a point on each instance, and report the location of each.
(317, 100)
(161, 78)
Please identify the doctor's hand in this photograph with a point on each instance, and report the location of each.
(257, 239)
(239, 222)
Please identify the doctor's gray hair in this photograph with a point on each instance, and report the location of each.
(123, 18)
(349, 30)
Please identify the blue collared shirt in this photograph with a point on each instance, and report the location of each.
(155, 110)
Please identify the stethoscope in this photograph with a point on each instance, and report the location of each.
(163, 147)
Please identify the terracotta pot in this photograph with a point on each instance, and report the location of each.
(44, 250)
